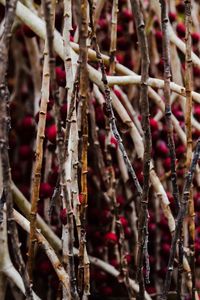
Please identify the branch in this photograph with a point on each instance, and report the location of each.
(188, 125)
(62, 275)
(144, 103)
(4, 133)
(180, 219)
(167, 77)
(35, 187)
(54, 241)
(83, 268)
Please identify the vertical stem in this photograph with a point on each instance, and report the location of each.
(168, 113)
(188, 111)
(39, 158)
(113, 36)
(83, 270)
(167, 77)
(179, 221)
(49, 13)
(143, 218)
(4, 131)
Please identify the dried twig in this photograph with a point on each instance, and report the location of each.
(83, 269)
(39, 157)
(180, 219)
(113, 36)
(56, 243)
(49, 17)
(62, 275)
(4, 131)
(144, 103)
(167, 77)
(188, 112)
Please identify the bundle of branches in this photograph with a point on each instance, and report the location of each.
(99, 149)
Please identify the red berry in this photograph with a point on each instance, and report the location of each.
(167, 164)
(180, 28)
(113, 142)
(123, 221)
(120, 30)
(103, 24)
(160, 65)
(25, 152)
(151, 290)
(120, 200)
(127, 15)
(127, 232)
(51, 133)
(197, 244)
(179, 114)
(114, 262)
(180, 150)
(28, 122)
(197, 113)
(180, 7)
(63, 216)
(111, 238)
(158, 36)
(45, 190)
(196, 71)
(162, 148)
(60, 76)
(195, 38)
(128, 258)
(153, 124)
(152, 228)
(165, 248)
(172, 16)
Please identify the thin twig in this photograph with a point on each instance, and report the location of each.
(188, 125)
(83, 269)
(49, 18)
(167, 77)
(113, 36)
(39, 158)
(56, 243)
(4, 131)
(179, 221)
(62, 275)
(144, 107)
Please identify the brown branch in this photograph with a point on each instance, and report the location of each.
(49, 18)
(113, 36)
(144, 103)
(179, 221)
(39, 158)
(188, 112)
(83, 269)
(4, 131)
(168, 113)
(60, 271)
